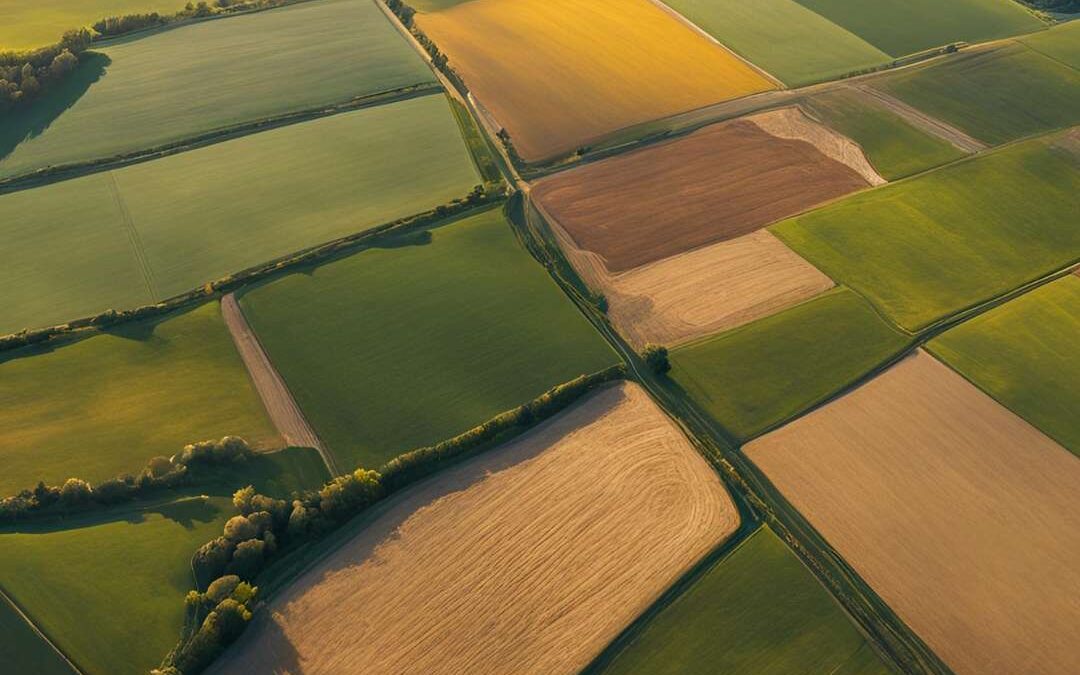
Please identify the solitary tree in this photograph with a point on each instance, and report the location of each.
(656, 357)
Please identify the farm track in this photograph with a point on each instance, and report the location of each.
(284, 412)
(921, 120)
(133, 236)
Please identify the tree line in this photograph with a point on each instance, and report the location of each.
(25, 76)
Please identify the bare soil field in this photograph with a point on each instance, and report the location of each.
(718, 183)
(529, 558)
(961, 515)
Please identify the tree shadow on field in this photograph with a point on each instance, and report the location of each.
(22, 125)
(186, 512)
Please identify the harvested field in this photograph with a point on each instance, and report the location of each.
(717, 183)
(559, 74)
(961, 515)
(526, 559)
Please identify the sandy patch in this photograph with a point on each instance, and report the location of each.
(718, 183)
(960, 514)
(528, 559)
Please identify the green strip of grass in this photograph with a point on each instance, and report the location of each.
(399, 347)
(925, 248)
(758, 611)
(1025, 355)
(478, 146)
(894, 147)
(757, 375)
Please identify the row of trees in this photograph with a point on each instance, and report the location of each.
(25, 76)
(119, 25)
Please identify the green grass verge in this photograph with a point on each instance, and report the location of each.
(789, 41)
(93, 582)
(1062, 43)
(925, 248)
(78, 247)
(107, 404)
(1024, 354)
(760, 374)
(23, 650)
(895, 148)
(164, 87)
(26, 25)
(758, 611)
(398, 347)
(481, 152)
(900, 27)
(994, 95)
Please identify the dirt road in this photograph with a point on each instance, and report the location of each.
(921, 120)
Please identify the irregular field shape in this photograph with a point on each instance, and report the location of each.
(989, 93)
(717, 183)
(172, 85)
(26, 25)
(1061, 43)
(895, 147)
(957, 512)
(938, 243)
(758, 611)
(529, 558)
(400, 347)
(558, 74)
(24, 650)
(105, 405)
(760, 374)
(1025, 355)
(204, 214)
(787, 40)
(900, 27)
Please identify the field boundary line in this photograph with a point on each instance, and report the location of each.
(278, 401)
(4, 597)
(133, 237)
(921, 120)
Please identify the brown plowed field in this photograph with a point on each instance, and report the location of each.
(717, 183)
(961, 515)
(527, 559)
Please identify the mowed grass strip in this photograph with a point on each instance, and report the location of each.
(23, 650)
(996, 95)
(25, 25)
(895, 148)
(399, 347)
(900, 27)
(78, 247)
(758, 611)
(1025, 355)
(559, 74)
(107, 404)
(178, 83)
(790, 42)
(925, 248)
(757, 375)
(1062, 43)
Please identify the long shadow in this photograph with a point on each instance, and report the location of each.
(22, 125)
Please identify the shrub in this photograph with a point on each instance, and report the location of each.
(656, 358)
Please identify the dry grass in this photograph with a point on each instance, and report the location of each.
(558, 74)
(530, 558)
(960, 514)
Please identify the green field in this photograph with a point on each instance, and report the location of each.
(138, 559)
(925, 248)
(792, 43)
(900, 27)
(22, 650)
(758, 611)
(25, 25)
(894, 147)
(105, 405)
(177, 83)
(755, 376)
(996, 95)
(156, 229)
(1061, 43)
(1025, 355)
(398, 347)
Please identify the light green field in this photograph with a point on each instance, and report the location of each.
(789, 41)
(894, 147)
(174, 84)
(925, 248)
(900, 27)
(105, 405)
(433, 5)
(760, 374)
(70, 247)
(1062, 42)
(1025, 355)
(23, 651)
(25, 25)
(138, 558)
(994, 95)
(758, 611)
(399, 347)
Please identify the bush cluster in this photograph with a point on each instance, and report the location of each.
(24, 76)
(228, 601)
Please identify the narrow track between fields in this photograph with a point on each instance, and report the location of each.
(919, 119)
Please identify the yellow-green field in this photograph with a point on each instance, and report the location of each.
(25, 25)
